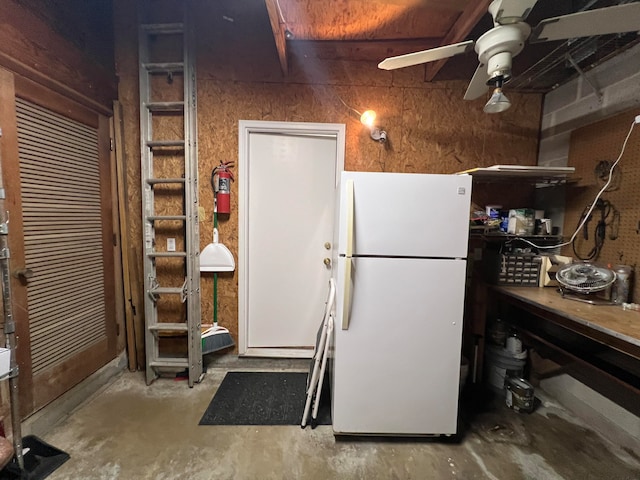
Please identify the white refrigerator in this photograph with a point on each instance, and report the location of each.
(400, 250)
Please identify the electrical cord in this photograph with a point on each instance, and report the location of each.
(595, 200)
(606, 209)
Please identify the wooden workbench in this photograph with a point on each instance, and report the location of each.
(607, 324)
(610, 363)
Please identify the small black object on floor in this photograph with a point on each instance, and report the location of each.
(40, 460)
(262, 398)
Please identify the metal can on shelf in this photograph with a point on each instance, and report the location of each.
(620, 289)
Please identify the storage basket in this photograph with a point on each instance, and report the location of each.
(513, 269)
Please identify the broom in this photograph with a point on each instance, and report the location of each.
(215, 338)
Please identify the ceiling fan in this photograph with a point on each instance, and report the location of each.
(497, 47)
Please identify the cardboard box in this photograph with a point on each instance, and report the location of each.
(549, 266)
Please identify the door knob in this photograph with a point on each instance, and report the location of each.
(24, 274)
(327, 262)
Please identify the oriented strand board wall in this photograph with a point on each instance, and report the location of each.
(589, 146)
(430, 128)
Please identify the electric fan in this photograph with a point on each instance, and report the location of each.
(585, 282)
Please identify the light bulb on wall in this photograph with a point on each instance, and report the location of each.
(368, 119)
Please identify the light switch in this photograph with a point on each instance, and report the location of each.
(171, 244)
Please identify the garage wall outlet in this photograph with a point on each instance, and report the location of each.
(171, 244)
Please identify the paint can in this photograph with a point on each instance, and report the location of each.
(519, 394)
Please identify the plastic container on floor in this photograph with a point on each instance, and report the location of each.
(500, 364)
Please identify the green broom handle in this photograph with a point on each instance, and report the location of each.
(215, 299)
(215, 274)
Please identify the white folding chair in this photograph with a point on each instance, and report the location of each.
(319, 358)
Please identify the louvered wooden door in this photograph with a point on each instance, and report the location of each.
(66, 217)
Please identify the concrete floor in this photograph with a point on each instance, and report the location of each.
(132, 431)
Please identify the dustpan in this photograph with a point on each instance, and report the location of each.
(216, 257)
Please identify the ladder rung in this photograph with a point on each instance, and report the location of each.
(167, 67)
(167, 254)
(155, 181)
(153, 218)
(169, 362)
(162, 28)
(182, 327)
(161, 290)
(165, 106)
(165, 143)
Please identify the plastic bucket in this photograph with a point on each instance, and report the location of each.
(500, 364)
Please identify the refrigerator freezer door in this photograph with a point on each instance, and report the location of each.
(397, 367)
(407, 215)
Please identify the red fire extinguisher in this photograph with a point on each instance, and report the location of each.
(221, 179)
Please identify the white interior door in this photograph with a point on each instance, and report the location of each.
(288, 176)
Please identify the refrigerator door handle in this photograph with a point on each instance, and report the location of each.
(349, 208)
(346, 304)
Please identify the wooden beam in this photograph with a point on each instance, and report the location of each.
(278, 29)
(463, 26)
(360, 50)
(10, 166)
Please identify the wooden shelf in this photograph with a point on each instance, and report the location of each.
(540, 176)
(492, 235)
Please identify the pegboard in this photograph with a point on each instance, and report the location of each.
(589, 146)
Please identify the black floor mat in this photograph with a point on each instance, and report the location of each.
(40, 460)
(263, 398)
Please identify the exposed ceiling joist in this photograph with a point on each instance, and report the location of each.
(358, 50)
(372, 30)
(278, 29)
(459, 31)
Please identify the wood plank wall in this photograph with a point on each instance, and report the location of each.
(430, 128)
(29, 46)
(590, 145)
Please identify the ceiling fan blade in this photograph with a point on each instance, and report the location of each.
(424, 56)
(602, 21)
(478, 85)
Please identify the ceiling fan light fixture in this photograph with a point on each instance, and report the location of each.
(497, 103)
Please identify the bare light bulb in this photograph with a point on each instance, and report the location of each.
(497, 103)
(368, 118)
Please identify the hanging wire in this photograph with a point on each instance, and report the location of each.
(350, 108)
(593, 204)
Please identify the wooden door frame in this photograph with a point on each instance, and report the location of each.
(52, 383)
(246, 128)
